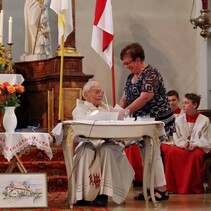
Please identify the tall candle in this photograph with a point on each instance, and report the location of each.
(204, 4)
(10, 30)
(1, 26)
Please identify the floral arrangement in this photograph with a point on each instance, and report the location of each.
(10, 94)
(4, 59)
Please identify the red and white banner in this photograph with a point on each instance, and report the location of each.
(102, 34)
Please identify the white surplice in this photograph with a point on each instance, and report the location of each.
(200, 133)
(116, 172)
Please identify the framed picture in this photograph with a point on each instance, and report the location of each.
(70, 96)
(23, 190)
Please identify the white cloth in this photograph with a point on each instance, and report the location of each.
(177, 115)
(160, 179)
(57, 132)
(13, 143)
(200, 133)
(37, 29)
(84, 108)
(116, 172)
(12, 78)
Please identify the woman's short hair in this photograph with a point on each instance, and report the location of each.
(134, 50)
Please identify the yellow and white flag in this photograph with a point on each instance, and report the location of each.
(63, 8)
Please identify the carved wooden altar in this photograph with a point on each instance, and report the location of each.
(41, 100)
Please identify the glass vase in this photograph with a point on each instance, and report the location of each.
(9, 120)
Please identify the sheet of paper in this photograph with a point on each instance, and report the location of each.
(102, 116)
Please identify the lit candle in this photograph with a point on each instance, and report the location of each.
(1, 27)
(10, 30)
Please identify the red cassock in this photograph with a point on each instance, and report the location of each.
(134, 157)
(184, 170)
(164, 150)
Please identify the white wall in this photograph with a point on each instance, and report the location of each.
(161, 26)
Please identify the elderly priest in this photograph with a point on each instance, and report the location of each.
(102, 163)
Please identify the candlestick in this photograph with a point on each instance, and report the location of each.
(10, 30)
(10, 69)
(1, 26)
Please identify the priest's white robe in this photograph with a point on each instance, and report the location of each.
(116, 172)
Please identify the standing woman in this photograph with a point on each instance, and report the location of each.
(145, 95)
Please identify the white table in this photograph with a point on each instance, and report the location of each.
(12, 78)
(151, 130)
(13, 145)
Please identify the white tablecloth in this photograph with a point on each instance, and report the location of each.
(13, 143)
(11, 78)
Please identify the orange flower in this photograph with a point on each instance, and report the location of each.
(11, 89)
(5, 84)
(19, 88)
(10, 94)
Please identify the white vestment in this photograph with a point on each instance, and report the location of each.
(37, 29)
(160, 179)
(178, 114)
(200, 132)
(116, 172)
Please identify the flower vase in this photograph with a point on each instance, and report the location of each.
(9, 119)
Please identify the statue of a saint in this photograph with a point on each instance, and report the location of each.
(37, 29)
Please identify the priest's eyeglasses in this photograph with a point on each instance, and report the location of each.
(97, 91)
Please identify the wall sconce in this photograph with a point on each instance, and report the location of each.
(203, 21)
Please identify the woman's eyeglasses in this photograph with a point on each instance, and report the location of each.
(127, 63)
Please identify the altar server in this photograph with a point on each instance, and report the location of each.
(184, 162)
(174, 100)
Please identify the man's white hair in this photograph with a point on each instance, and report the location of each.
(87, 87)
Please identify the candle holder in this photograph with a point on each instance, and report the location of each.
(10, 69)
(3, 59)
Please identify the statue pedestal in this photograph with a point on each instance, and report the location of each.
(31, 57)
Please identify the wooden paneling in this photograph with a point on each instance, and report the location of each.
(42, 82)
